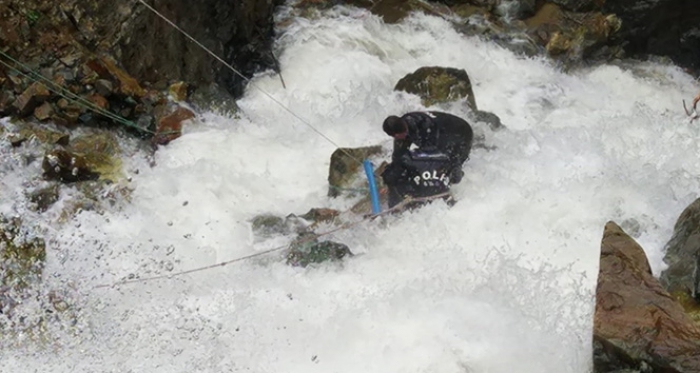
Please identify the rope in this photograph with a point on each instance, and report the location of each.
(63, 92)
(246, 79)
(401, 205)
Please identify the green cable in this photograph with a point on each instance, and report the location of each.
(64, 91)
(77, 99)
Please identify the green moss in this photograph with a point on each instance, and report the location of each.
(690, 305)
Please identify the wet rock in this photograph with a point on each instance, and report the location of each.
(67, 167)
(268, 225)
(573, 37)
(468, 10)
(101, 152)
(104, 87)
(319, 215)
(44, 197)
(98, 101)
(214, 98)
(169, 126)
(106, 68)
(491, 119)
(178, 91)
(637, 324)
(517, 9)
(6, 100)
(21, 255)
(307, 249)
(32, 97)
(658, 28)
(683, 253)
(43, 112)
(346, 172)
(41, 133)
(580, 5)
(393, 11)
(436, 85)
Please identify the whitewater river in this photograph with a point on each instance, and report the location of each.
(502, 282)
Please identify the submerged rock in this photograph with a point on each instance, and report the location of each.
(21, 257)
(268, 225)
(44, 197)
(637, 324)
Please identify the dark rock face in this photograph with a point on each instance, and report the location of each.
(659, 27)
(238, 31)
(683, 254)
(146, 46)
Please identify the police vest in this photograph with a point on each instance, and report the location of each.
(428, 172)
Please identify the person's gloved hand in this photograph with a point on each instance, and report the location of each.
(456, 175)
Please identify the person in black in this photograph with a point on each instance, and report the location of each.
(443, 142)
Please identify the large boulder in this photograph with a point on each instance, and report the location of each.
(435, 85)
(683, 254)
(637, 324)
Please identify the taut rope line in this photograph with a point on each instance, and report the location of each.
(316, 235)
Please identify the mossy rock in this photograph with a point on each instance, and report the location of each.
(101, 152)
(345, 170)
(44, 135)
(434, 85)
(307, 250)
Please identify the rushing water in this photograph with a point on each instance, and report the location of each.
(501, 282)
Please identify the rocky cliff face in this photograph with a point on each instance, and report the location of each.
(659, 27)
(146, 46)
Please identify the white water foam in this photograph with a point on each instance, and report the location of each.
(501, 282)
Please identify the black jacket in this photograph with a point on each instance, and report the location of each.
(443, 132)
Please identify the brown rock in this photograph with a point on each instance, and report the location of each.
(106, 68)
(178, 91)
(43, 112)
(33, 96)
(99, 101)
(169, 126)
(636, 321)
(321, 214)
(104, 87)
(558, 44)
